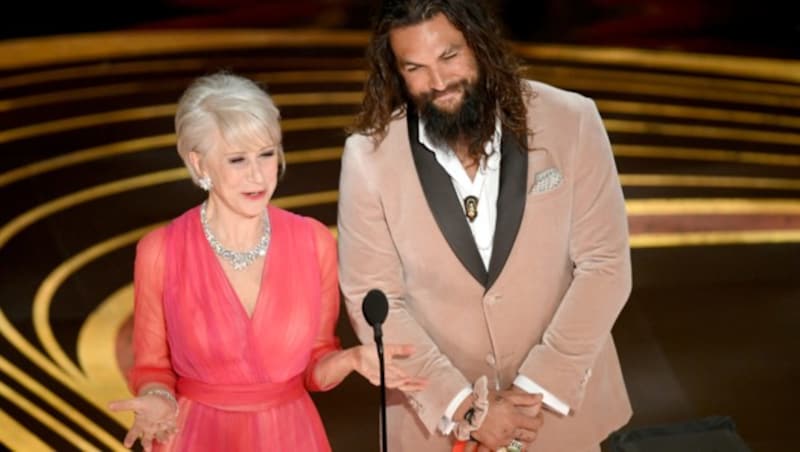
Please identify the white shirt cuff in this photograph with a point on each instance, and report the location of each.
(446, 424)
(527, 385)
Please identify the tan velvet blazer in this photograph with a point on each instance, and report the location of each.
(558, 277)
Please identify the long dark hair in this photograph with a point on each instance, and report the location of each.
(384, 92)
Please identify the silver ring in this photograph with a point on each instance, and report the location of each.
(514, 446)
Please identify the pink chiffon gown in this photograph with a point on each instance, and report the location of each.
(242, 382)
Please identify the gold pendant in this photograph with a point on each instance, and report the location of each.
(471, 207)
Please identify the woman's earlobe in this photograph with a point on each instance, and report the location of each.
(194, 162)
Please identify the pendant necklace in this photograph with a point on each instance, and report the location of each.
(471, 201)
(239, 260)
(471, 207)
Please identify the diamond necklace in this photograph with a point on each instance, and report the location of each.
(238, 259)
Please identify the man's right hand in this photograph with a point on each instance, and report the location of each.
(511, 415)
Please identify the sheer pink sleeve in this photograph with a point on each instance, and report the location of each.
(150, 348)
(326, 340)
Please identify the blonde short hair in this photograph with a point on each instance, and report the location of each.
(230, 106)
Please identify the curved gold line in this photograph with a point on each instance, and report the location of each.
(711, 206)
(67, 410)
(321, 98)
(20, 53)
(314, 155)
(150, 112)
(149, 67)
(85, 155)
(91, 92)
(44, 418)
(77, 122)
(669, 180)
(137, 145)
(557, 72)
(328, 76)
(714, 238)
(49, 286)
(679, 92)
(41, 211)
(306, 199)
(16, 437)
(20, 222)
(745, 157)
(702, 113)
(101, 69)
(272, 78)
(24, 347)
(97, 355)
(739, 66)
(26, 219)
(712, 132)
(314, 123)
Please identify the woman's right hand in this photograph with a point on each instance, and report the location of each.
(365, 362)
(155, 418)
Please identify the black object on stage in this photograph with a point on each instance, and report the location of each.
(375, 309)
(710, 434)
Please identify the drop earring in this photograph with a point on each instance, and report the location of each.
(205, 183)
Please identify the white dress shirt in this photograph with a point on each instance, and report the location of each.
(485, 187)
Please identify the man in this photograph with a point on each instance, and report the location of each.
(489, 210)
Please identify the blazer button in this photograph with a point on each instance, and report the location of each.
(490, 360)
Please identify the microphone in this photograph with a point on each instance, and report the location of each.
(375, 309)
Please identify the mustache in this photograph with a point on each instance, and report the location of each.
(430, 96)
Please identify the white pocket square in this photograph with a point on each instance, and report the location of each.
(546, 180)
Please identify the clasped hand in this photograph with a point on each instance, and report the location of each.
(513, 415)
(155, 419)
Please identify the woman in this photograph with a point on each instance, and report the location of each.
(236, 300)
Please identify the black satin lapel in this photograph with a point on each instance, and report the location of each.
(445, 205)
(510, 203)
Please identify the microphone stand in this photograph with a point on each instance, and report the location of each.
(375, 309)
(379, 343)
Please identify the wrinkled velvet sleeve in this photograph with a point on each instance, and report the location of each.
(602, 277)
(150, 348)
(326, 340)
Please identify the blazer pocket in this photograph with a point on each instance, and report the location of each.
(547, 183)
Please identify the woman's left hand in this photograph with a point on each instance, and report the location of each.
(365, 362)
(155, 419)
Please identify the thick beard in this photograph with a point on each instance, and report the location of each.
(466, 123)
